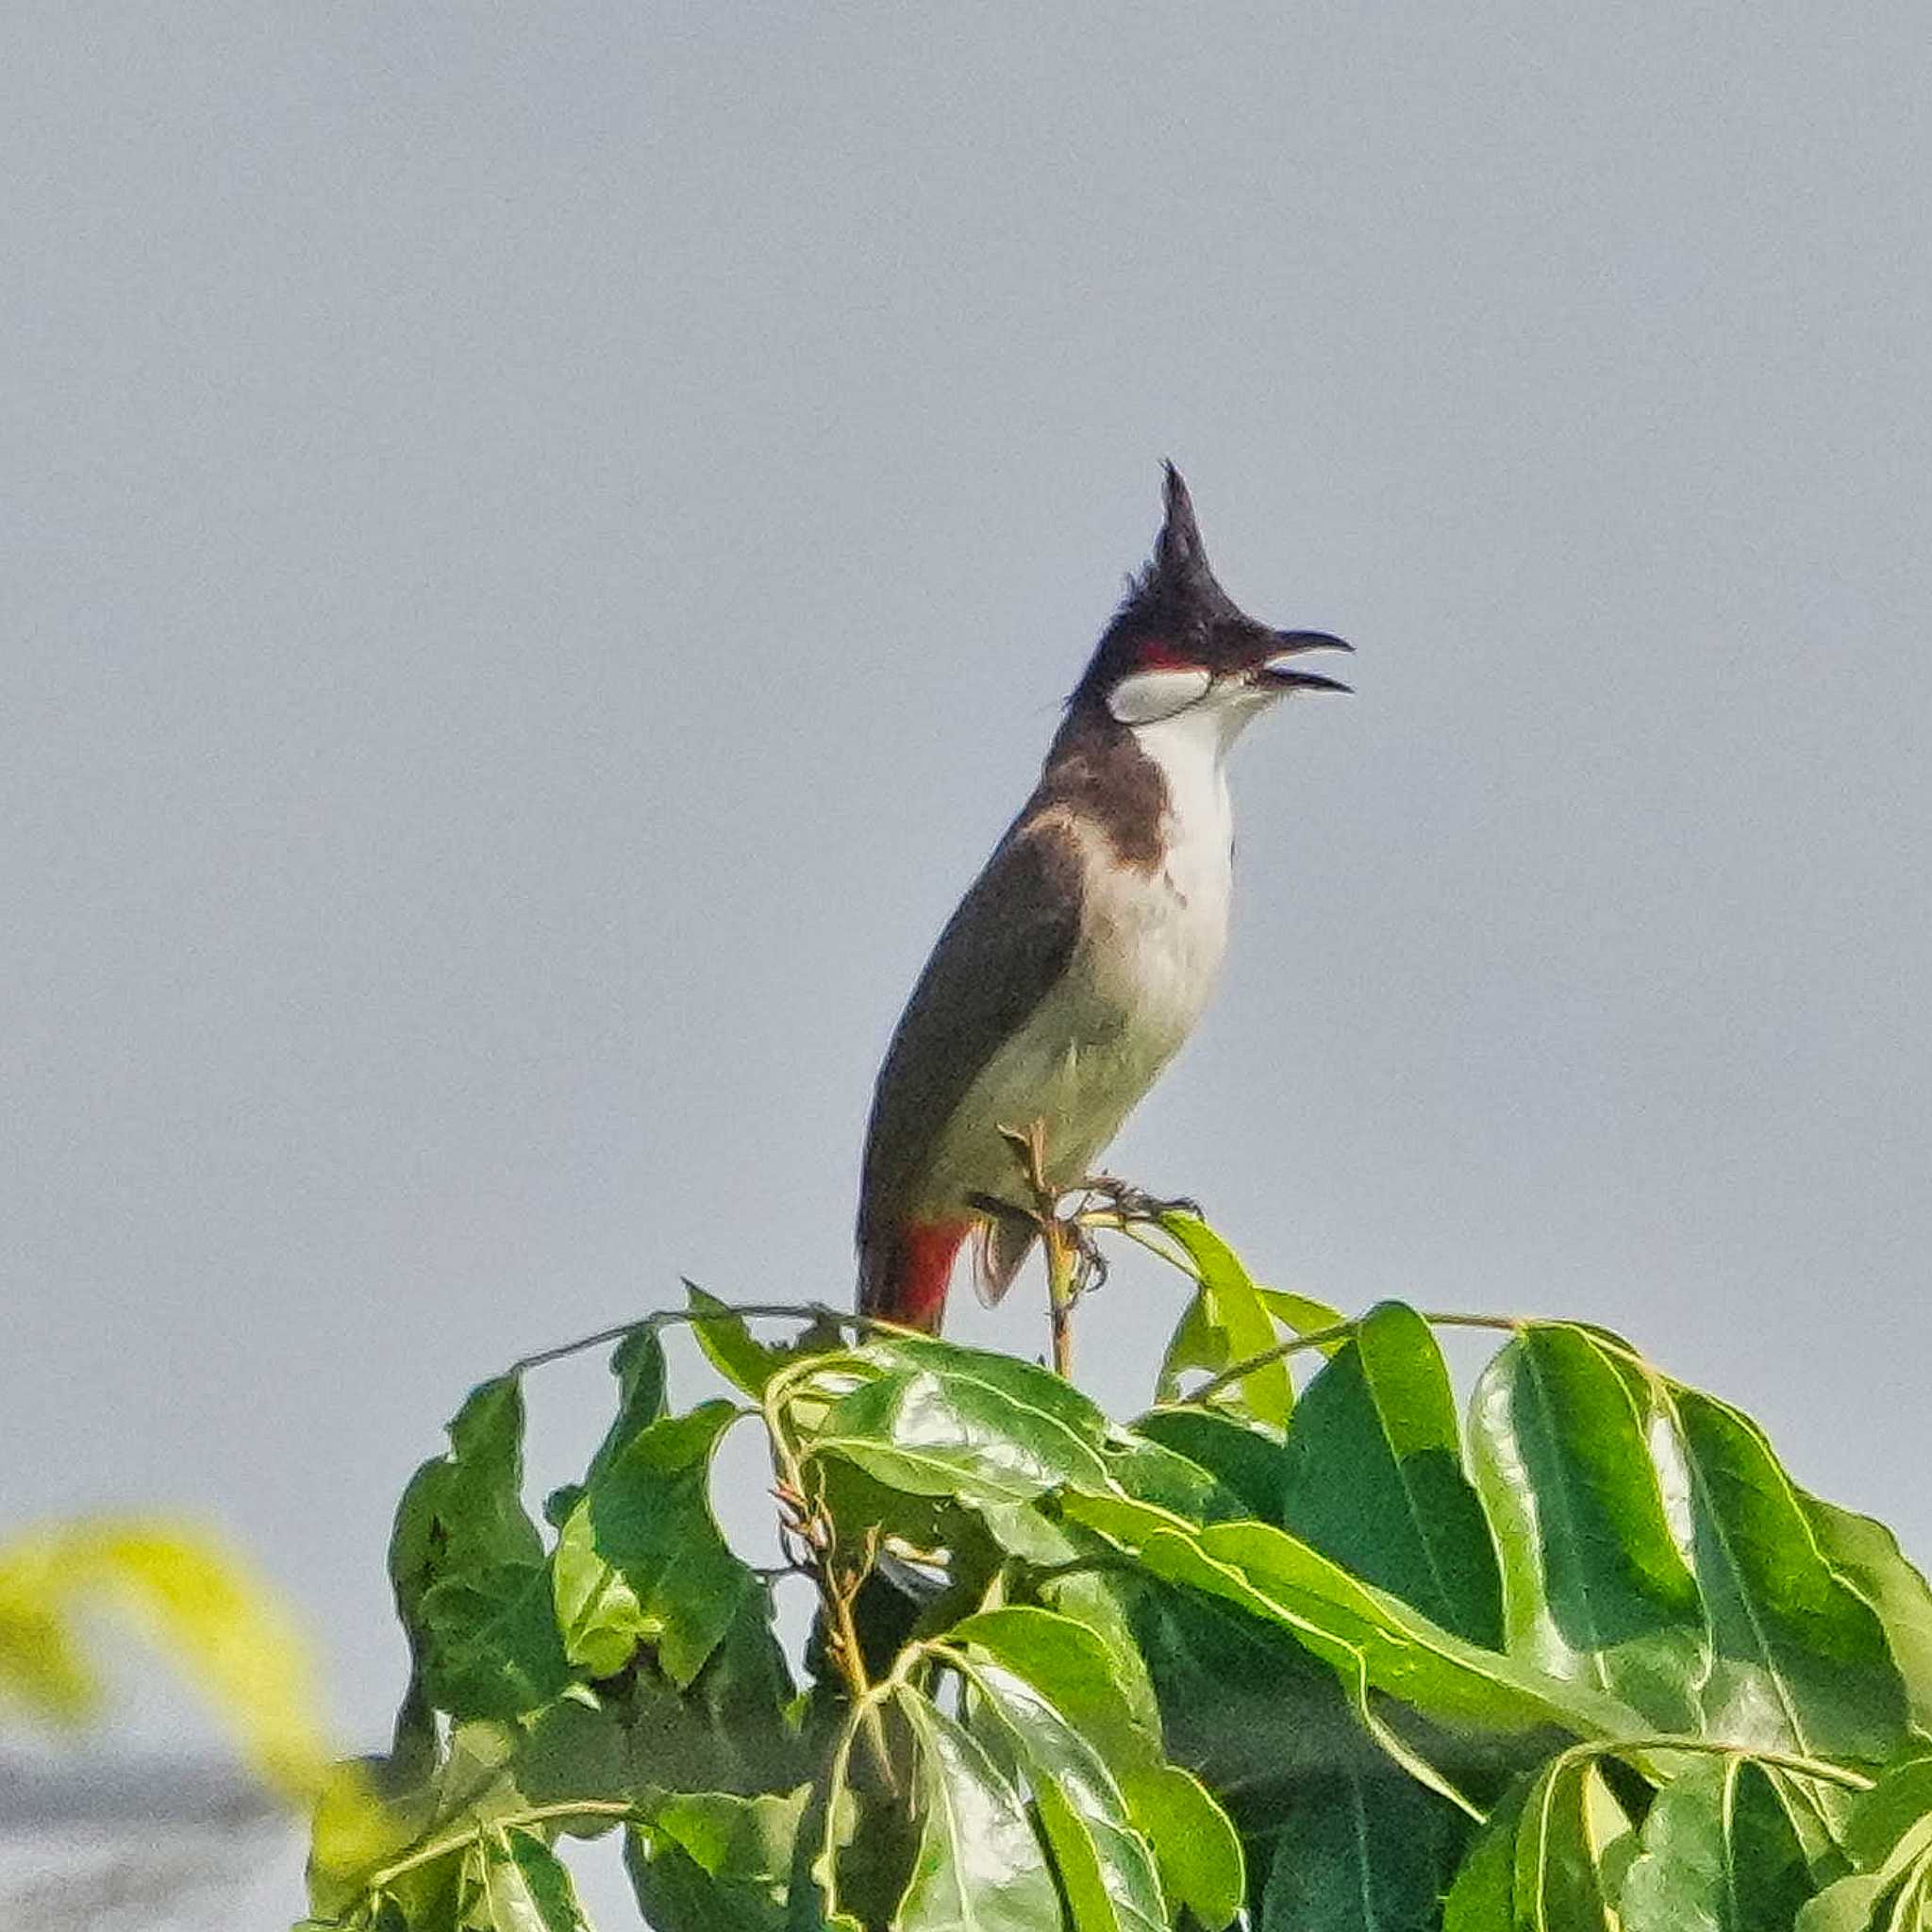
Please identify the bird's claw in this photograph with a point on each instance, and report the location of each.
(1129, 1203)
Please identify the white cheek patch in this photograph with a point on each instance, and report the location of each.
(1148, 696)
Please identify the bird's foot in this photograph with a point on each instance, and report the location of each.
(1122, 1201)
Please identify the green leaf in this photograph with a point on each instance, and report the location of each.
(1246, 1458)
(739, 1356)
(1195, 1844)
(1851, 1904)
(463, 1512)
(526, 1886)
(640, 1558)
(748, 1837)
(1150, 1471)
(1570, 1827)
(1071, 1665)
(638, 1362)
(490, 1647)
(1596, 1591)
(979, 1868)
(1086, 1678)
(1225, 1322)
(1361, 1852)
(1369, 1638)
(732, 1728)
(1106, 1869)
(1374, 1476)
(1801, 1659)
(961, 1429)
(1718, 1854)
(1302, 1314)
(1867, 1555)
(1483, 1898)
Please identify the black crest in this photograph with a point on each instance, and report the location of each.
(1174, 610)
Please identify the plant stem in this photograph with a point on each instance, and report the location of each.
(462, 1840)
(1343, 1331)
(1059, 1294)
(669, 1318)
(815, 1530)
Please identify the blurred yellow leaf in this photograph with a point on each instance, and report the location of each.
(196, 1600)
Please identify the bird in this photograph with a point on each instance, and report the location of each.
(1081, 958)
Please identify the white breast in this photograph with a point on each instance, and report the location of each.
(1150, 952)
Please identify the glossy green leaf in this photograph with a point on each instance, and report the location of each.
(1087, 1680)
(526, 1886)
(1225, 1324)
(1195, 1844)
(713, 1862)
(1801, 1659)
(489, 1644)
(979, 1868)
(1357, 1852)
(1375, 1478)
(1718, 1854)
(1596, 1591)
(1246, 1458)
(1151, 1471)
(961, 1430)
(640, 1558)
(1853, 1904)
(1369, 1636)
(1071, 1665)
(1302, 1314)
(1106, 1869)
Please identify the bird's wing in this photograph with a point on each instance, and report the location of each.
(1008, 943)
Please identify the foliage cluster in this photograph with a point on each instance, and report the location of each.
(1319, 1658)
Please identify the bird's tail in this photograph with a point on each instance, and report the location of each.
(904, 1272)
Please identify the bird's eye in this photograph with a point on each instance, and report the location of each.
(1147, 696)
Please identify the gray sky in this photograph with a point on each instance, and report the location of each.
(539, 549)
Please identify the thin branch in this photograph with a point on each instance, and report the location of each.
(1344, 1331)
(462, 1840)
(668, 1318)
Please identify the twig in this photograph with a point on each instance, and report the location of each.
(668, 1318)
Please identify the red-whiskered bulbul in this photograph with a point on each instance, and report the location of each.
(1080, 959)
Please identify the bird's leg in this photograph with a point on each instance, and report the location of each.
(1067, 1253)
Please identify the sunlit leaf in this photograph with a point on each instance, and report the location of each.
(1802, 1660)
(1227, 1323)
(1867, 1555)
(965, 1429)
(1350, 1624)
(463, 1512)
(980, 1867)
(526, 1887)
(1373, 1475)
(1086, 1678)
(1106, 1869)
(1247, 1458)
(1596, 1588)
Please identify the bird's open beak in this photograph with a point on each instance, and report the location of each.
(1275, 673)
